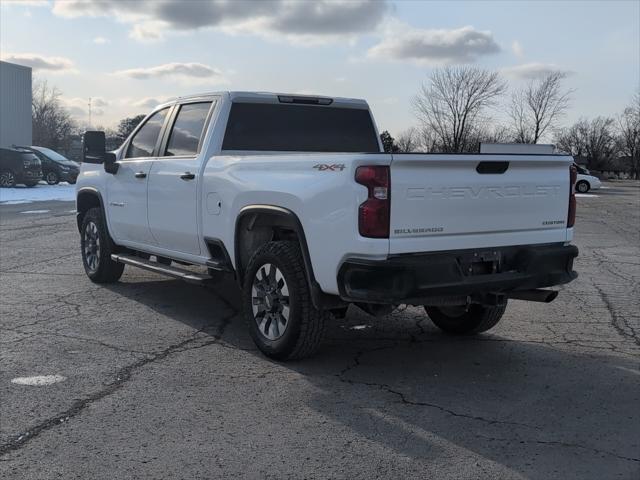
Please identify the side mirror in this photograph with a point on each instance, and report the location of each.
(93, 147)
(94, 151)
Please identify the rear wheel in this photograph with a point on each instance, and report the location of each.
(463, 320)
(277, 303)
(52, 178)
(583, 186)
(97, 246)
(7, 179)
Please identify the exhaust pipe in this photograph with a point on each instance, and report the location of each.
(538, 295)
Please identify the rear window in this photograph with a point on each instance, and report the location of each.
(301, 128)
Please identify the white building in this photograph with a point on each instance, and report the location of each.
(15, 104)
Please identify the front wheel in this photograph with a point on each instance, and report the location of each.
(465, 320)
(97, 247)
(583, 186)
(277, 305)
(52, 178)
(7, 179)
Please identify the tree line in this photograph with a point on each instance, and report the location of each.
(54, 127)
(454, 108)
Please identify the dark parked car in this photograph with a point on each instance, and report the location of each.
(19, 165)
(55, 167)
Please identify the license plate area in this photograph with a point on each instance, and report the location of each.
(480, 263)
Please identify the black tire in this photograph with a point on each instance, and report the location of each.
(52, 178)
(96, 255)
(583, 186)
(461, 321)
(31, 184)
(7, 179)
(303, 327)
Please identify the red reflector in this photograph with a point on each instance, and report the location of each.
(571, 215)
(373, 213)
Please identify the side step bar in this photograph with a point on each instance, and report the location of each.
(168, 270)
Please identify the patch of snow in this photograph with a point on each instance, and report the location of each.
(41, 192)
(15, 202)
(360, 327)
(39, 380)
(36, 211)
(586, 195)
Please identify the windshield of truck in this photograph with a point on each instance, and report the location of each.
(300, 128)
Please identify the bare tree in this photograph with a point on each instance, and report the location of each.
(51, 122)
(427, 140)
(593, 139)
(452, 103)
(408, 141)
(537, 108)
(629, 135)
(492, 134)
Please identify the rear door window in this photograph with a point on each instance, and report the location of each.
(144, 141)
(302, 128)
(187, 130)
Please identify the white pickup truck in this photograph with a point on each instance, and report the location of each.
(294, 196)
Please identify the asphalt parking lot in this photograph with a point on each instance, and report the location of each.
(159, 379)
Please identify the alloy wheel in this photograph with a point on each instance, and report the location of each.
(92, 246)
(7, 179)
(270, 301)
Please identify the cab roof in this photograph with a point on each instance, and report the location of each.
(272, 97)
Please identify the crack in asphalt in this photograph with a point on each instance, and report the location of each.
(405, 401)
(562, 444)
(403, 397)
(618, 321)
(121, 378)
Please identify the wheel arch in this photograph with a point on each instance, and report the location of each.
(87, 198)
(257, 225)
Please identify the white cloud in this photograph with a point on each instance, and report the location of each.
(40, 62)
(531, 71)
(176, 69)
(150, 102)
(27, 3)
(433, 47)
(309, 22)
(517, 49)
(101, 40)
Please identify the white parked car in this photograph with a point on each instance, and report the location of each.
(586, 181)
(295, 197)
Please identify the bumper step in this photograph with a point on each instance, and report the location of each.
(168, 270)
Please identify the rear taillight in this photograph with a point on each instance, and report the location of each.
(573, 176)
(373, 214)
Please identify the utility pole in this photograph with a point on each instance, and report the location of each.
(89, 112)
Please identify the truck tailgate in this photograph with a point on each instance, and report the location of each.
(450, 202)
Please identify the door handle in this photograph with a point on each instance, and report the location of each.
(140, 175)
(188, 176)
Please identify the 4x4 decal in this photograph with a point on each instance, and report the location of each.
(323, 167)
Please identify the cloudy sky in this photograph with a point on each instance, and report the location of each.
(129, 55)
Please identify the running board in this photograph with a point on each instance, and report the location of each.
(168, 270)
